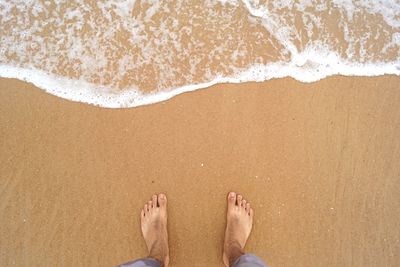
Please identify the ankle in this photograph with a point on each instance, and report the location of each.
(158, 257)
(233, 252)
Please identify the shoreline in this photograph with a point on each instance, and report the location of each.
(104, 97)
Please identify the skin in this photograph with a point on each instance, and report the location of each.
(153, 218)
(239, 219)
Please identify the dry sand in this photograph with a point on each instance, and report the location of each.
(319, 162)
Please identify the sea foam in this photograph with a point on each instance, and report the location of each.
(129, 53)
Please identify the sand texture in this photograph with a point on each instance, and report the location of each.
(319, 162)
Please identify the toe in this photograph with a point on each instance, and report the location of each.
(154, 200)
(150, 204)
(142, 214)
(244, 203)
(146, 209)
(248, 207)
(251, 213)
(239, 200)
(162, 200)
(231, 199)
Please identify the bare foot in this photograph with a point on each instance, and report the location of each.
(153, 220)
(238, 227)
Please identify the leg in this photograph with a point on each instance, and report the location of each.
(153, 219)
(249, 260)
(146, 262)
(239, 221)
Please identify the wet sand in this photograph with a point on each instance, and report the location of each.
(319, 162)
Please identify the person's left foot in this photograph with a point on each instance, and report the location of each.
(153, 220)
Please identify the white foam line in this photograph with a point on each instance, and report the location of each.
(82, 91)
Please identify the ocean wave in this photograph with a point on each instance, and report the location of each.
(130, 53)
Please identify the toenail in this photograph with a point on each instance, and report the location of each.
(231, 194)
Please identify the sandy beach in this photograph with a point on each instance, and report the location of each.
(319, 162)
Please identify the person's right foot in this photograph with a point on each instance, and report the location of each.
(238, 227)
